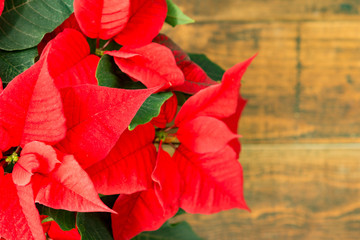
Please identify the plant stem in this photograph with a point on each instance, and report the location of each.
(106, 44)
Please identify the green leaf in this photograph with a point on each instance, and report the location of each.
(23, 23)
(213, 70)
(15, 62)
(65, 219)
(175, 16)
(179, 231)
(94, 226)
(106, 72)
(150, 108)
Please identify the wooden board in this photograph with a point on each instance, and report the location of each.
(304, 86)
(295, 191)
(273, 10)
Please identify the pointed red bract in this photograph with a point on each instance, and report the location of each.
(153, 65)
(69, 60)
(195, 77)
(205, 134)
(67, 187)
(36, 157)
(167, 182)
(102, 18)
(31, 108)
(96, 117)
(211, 182)
(219, 101)
(137, 212)
(128, 167)
(18, 214)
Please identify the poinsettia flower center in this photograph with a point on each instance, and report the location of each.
(100, 51)
(12, 159)
(167, 136)
(9, 159)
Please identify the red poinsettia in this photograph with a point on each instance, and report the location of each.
(31, 109)
(214, 164)
(34, 108)
(206, 160)
(64, 140)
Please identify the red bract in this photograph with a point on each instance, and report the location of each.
(205, 159)
(57, 179)
(96, 117)
(18, 214)
(145, 21)
(153, 65)
(68, 187)
(102, 18)
(46, 176)
(36, 157)
(148, 210)
(205, 134)
(195, 77)
(128, 167)
(167, 181)
(69, 60)
(54, 232)
(219, 101)
(130, 22)
(137, 212)
(217, 174)
(31, 108)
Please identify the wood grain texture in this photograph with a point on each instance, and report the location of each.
(270, 10)
(304, 86)
(295, 191)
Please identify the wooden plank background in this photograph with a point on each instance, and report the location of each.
(304, 86)
(301, 127)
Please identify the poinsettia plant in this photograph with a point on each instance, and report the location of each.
(92, 99)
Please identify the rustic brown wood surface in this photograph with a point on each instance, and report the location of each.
(304, 86)
(295, 191)
(304, 92)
